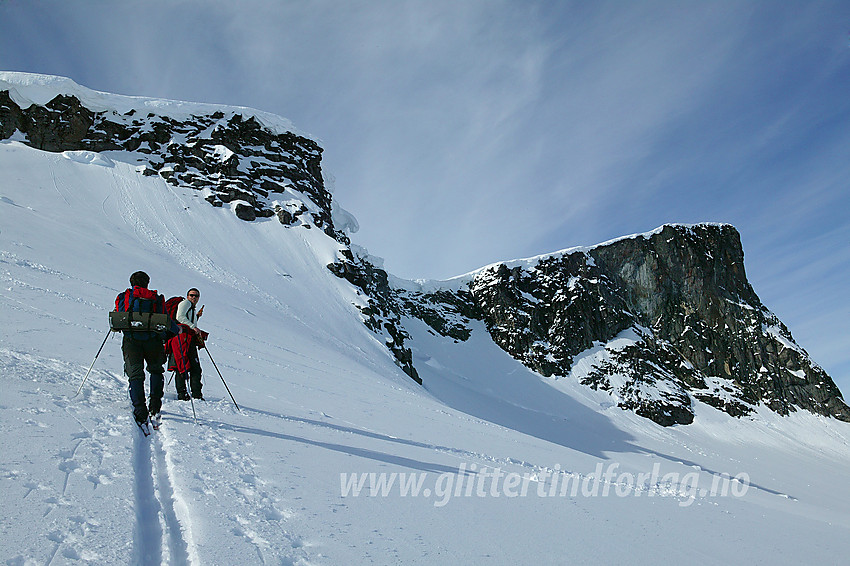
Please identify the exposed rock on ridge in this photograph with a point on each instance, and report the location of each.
(688, 321)
(229, 158)
(381, 313)
(657, 320)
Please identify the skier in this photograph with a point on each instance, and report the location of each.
(188, 315)
(143, 347)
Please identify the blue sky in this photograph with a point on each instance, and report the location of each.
(463, 133)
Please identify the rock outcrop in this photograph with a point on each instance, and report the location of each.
(232, 159)
(659, 321)
(381, 313)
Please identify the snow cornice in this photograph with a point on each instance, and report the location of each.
(26, 89)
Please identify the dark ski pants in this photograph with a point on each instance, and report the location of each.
(193, 375)
(137, 354)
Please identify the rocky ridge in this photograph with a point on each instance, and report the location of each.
(231, 158)
(659, 321)
(447, 312)
(672, 318)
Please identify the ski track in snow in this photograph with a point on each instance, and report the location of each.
(159, 485)
(161, 522)
(178, 545)
(147, 534)
(134, 209)
(158, 534)
(169, 242)
(94, 436)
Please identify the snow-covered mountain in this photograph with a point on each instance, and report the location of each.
(510, 445)
(659, 320)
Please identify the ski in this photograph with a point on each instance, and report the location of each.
(156, 420)
(145, 428)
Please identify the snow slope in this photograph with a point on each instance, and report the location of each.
(505, 464)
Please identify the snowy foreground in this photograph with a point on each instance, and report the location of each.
(337, 457)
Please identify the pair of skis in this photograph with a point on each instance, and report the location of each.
(156, 420)
(150, 423)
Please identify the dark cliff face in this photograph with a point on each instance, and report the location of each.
(230, 159)
(658, 321)
(448, 313)
(687, 322)
(382, 314)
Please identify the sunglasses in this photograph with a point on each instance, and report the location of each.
(194, 295)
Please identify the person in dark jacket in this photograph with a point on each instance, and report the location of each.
(142, 348)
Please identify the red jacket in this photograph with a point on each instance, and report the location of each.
(180, 345)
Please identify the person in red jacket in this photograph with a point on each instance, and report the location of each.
(143, 348)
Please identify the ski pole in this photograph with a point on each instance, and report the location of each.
(108, 333)
(222, 378)
(194, 416)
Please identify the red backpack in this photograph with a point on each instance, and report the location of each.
(171, 306)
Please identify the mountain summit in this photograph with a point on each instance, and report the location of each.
(660, 321)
